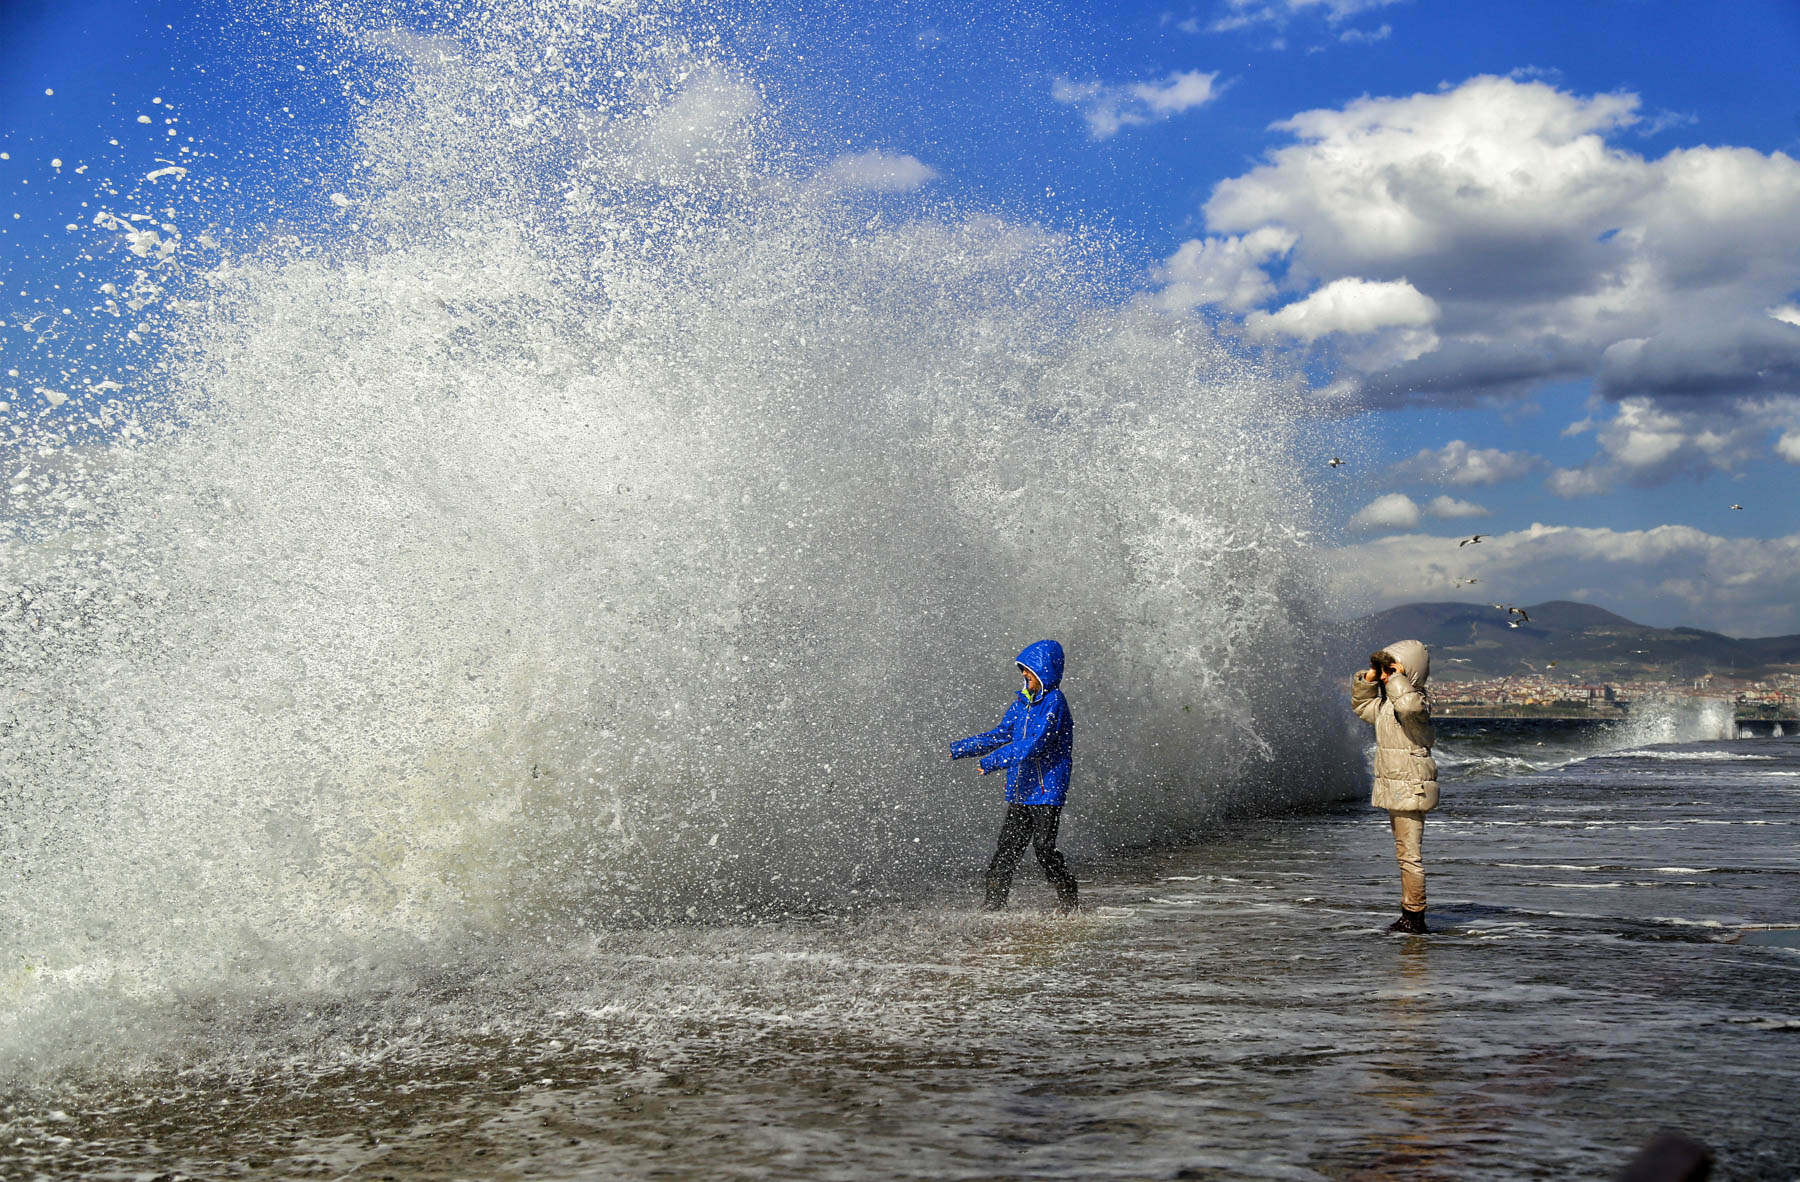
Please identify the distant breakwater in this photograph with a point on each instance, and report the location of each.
(1747, 723)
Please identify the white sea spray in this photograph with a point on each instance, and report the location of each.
(590, 520)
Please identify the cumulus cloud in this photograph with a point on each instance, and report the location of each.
(1450, 508)
(1108, 107)
(1458, 463)
(1399, 511)
(1375, 325)
(1570, 483)
(1518, 244)
(1227, 272)
(1669, 575)
(1705, 356)
(1393, 511)
(1355, 306)
(876, 172)
(1646, 443)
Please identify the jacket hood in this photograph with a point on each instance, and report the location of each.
(1415, 657)
(1045, 658)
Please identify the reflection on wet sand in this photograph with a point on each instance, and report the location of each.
(1230, 1010)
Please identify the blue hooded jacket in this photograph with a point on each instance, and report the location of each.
(1035, 741)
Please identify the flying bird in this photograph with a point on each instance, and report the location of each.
(1519, 612)
(1334, 462)
(1466, 541)
(1467, 582)
(1737, 506)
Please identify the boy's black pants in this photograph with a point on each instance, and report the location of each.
(1034, 825)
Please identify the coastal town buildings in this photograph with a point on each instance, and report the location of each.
(1544, 693)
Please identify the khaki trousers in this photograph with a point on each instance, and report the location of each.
(1409, 829)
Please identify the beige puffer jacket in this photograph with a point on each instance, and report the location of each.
(1405, 773)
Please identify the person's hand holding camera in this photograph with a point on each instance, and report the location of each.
(1381, 667)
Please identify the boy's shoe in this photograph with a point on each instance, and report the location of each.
(1068, 904)
(996, 895)
(1410, 923)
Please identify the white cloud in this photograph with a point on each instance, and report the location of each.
(1544, 251)
(1576, 482)
(1244, 14)
(1366, 36)
(1645, 443)
(1107, 107)
(1393, 511)
(1355, 306)
(876, 172)
(1388, 322)
(1399, 511)
(1788, 446)
(705, 130)
(1668, 575)
(1450, 508)
(1223, 271)
(1458, 463)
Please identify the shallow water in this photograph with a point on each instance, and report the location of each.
(1616, 951)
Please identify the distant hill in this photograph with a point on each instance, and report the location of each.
(1586, 642)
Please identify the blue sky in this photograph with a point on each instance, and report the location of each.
(1542, 259)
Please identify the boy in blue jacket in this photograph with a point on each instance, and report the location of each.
(1035, 743)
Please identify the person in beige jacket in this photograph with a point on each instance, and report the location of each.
(1390, 696)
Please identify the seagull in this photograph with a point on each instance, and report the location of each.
(1467, 582)
(1476, 539)
(1334, 462)
(1512, 623)
(1737, 506)
(1519, 612)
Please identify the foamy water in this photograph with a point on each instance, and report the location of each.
(1476, 750)
(601, 512)
(1614, 952)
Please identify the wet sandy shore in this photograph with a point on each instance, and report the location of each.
(1608, 963)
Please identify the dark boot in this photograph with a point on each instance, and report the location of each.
(1068, 902)
(997, 890)
(1410, 923)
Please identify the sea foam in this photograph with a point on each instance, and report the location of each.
(587, 517)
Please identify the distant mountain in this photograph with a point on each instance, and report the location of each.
(1587, 643)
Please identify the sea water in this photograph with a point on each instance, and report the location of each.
(1615, 953)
